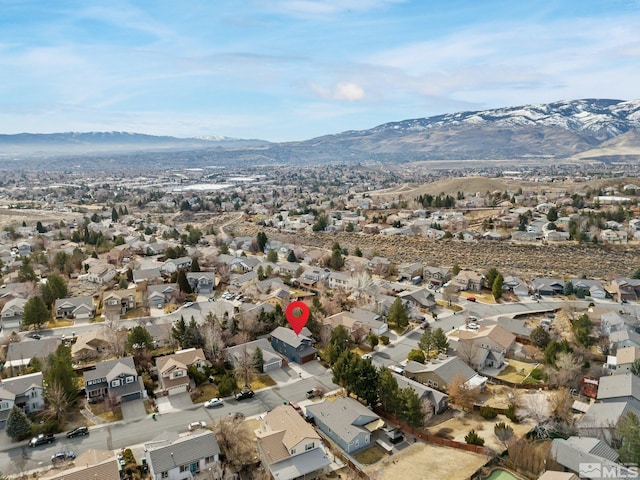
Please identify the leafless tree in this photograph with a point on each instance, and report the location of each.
(116, 338)
(566, 372)
(214, 344)
(467, 351)
(450, 294)
(57, 401)
(245, 366)
(237, 444)
(461, 395)
(537, 407)
(503, 432)
(428, 409)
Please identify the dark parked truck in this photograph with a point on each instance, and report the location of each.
(42, 439)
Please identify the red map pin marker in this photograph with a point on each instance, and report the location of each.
(297, 314)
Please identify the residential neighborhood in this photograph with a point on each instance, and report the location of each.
(155, 324)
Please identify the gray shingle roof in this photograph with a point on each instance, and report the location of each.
(183, 451)
(103, 369)
(617, 386)
(344, 416)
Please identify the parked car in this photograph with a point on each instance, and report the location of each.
(63, 457)
(471, 299)
(244, 394)
(473, 326)
(78, 431)
(214, 402)
(297, 408)
(196, 425)
(316, 392)
(424, 325)
(35, 336)
(367, 356)
(187, 305)
(42, 439)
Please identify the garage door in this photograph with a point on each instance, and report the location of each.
(270, 367)
(180, 389)
(308, 358)
(131, 396)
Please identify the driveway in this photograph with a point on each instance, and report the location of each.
(133, 410)
(181, 401)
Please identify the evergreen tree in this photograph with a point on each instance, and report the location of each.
(388, 392)
(26, 272)
(398, 314)
(262, 240)
(60, 372)
(411, 408)
(540, 337)
(496, 287)
(139, 338)
(183, 283)
(426, 342)
(40, 228)
(629, 430)
(54, 289)
(440, 342)
(357, 252)
(291, 257)
(195, 266)
(18, 424)
(35, 313)
(272, 256)
(258, 360)
(179, 331)
(114, 215)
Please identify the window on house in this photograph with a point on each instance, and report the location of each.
(130, 379)
(184, 468)
(115, 383)
(178, 373)
(293, 451)
(210, 459)
(165, 475)
(34, 394)
(309, 446)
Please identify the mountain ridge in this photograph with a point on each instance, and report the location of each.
(559, 130)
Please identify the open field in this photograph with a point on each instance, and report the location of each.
(422, 461)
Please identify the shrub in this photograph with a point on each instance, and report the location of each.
(537, 374)
(416, 355)
(384, 340)
(473, 438)
(511, 413)
(488, 413)
(227, 385)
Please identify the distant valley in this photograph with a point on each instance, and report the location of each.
(580, 130)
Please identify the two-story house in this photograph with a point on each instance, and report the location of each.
(173, 369)
(468, 280)
(202, 282)
(118, 302)
(346, 421)
(25, 392)
(435, 275)
(101, 273)
(486, 346)
(174, 264)
(74, 307)
(339, 280)
(116, 380)
(159, 295)
(289, 447)
(183, 458)
(12, 314)
(297, 348)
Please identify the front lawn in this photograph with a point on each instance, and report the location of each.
(516, 372)
(204, 392)
(261, 381)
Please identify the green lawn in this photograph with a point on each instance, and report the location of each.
(371, 455)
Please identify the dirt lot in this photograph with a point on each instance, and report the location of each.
(458, 426)
(428, 462)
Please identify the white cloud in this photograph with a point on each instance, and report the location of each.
(305, 8)
(348, 91)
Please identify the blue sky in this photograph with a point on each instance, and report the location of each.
(285, 70)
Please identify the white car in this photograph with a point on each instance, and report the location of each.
(196, 425)
(473, 326)
(214, 402)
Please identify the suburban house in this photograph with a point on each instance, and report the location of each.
(183, 457)
(101, 273)
(75, 307)
(601, 419)
(116, 380)
(468, 280)
(421, 299)
(173, 369)
(339, 280)
(516, 286)
(439, 373)
(436, 276)
(486, 346)
(25, 392)
(438, 399)
(174, 264)
(202, 282)
(612, 322)
(617, 388)
(297, 348)
(92, 464)
(118, 302)
(574, 451)
(160, 295)
(625, 289)
(346, 422)
(547, 286)
(592, 288)
(621, 362)
(289, 447)
(12, 314)
(90, 345)
(147, 275)
(359, 323)
(271, 360)
(410, 270)
(20, 354)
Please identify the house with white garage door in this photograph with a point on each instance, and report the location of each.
(173, 369)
